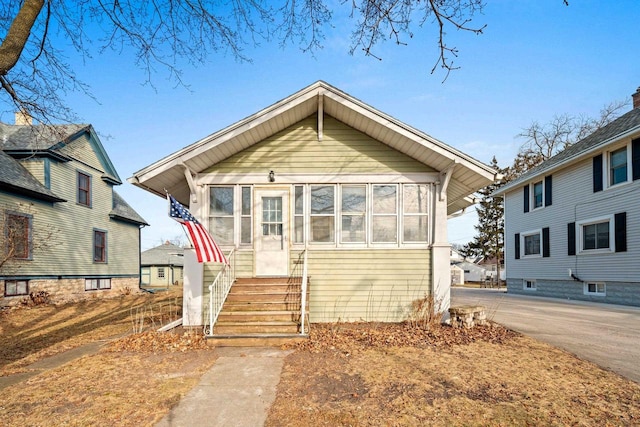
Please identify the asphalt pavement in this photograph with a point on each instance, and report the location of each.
(605, 334)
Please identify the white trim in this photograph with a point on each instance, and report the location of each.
(523, 246)
(529, 288)
(585, 289)
(300, 178)
(580, 235)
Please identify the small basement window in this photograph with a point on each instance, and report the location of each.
(16, 287)
(529, 285)
(595, 288)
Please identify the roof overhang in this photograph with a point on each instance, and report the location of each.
(171, 173)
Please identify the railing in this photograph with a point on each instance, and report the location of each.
(301, 276)
(219, 290)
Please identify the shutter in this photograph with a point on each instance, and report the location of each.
(526, 198)
(635, 159)
(597, 173)
(620, 220)
(571, 238)
(547, 191)
(546, 247)
(517, 246)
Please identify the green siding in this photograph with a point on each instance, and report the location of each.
(297, 150)
(80, 149)
(366, 285)
(68, 229)
(35, 168)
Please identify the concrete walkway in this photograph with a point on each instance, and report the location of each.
(237, 391)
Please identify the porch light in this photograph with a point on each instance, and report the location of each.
(272, 176)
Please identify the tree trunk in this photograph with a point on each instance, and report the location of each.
(18, 34)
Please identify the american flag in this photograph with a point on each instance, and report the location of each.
(206, 248)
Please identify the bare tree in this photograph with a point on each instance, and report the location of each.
(543, 141)
(34, 74)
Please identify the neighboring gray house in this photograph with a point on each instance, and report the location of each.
(162, 266)
(63, 228)
(572, 224)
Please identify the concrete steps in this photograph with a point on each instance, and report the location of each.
(259, 312)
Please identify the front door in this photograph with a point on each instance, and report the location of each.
(272, 246)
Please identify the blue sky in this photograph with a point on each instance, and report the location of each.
(536, 59)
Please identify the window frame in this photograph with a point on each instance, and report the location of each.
(235, 215)
(523, 249)
(81, 190)
(597, 291)
(404, 215)
(608, 165)
(526, 282)
(395, 214)
(364, 214)
(16, 282)
(333, 215)
(101, 284)
(103, 259)
(28, 256)
(580, 225)
(160, 272)
(534, 206)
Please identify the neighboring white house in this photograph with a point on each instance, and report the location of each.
(457, 275)
(472, 272)
(572, 224)
(364, 196)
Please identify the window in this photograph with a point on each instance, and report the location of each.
(415, 206)
(272, 216)
(97, 284)
(245, 217)
(298, 215)
(18, 235)
(16, 287)
(537, 195)
(595, 288)
(618, 166)
(529, 285)
(385, 214)
(84, 189)
(322, 215)
(160, 272)
(532, 243)
(354, 213)
(99, 246)
(595, 235)
(221, 215)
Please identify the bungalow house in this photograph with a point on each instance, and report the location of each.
(161, 266)
(571, 223)
(323, 183)
(64, 230)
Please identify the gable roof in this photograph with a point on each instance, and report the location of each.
(17, 179)
(47, 141)
(168, 174)
(623, 127)
(165, 254)
(123, 212)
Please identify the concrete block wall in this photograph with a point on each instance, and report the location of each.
(623, 293)
(67, 290)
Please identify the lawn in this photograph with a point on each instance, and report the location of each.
(346, 374)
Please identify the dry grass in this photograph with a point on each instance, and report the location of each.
(348, 378)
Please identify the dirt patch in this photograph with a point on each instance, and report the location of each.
(371, 375)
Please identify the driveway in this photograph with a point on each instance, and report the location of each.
(605, 334)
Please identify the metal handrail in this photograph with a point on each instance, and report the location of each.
(219, 289)
(303, 296)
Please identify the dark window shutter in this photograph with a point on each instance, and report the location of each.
(620, 226)
(635, 158)
(571, 238)
(517, 246)
(597, 173)
(547, 191)
(546, 247)
(526, 198)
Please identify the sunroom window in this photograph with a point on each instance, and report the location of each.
(415, 205)
(221, 214)
(385, 214)
(322, 218)
(354, 213)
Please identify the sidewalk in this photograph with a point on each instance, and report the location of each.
(237, 391)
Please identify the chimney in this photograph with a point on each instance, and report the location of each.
(23, 118)
(636, 98)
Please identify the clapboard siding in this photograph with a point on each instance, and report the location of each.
(81, 150)
(68, 230)
(575, 201)
(297, 150)
(367, 285)
(35, 168)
